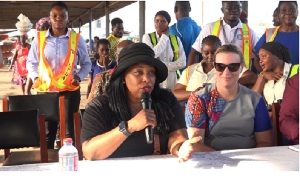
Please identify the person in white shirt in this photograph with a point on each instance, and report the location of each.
(274, 61)
(164, 47)
(230, 30)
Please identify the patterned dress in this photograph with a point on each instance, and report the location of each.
(20, 70)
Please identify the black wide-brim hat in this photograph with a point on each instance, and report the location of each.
(139, 53)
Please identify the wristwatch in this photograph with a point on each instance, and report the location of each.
(123, 128)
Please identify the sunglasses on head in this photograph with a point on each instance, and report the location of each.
(232, 67)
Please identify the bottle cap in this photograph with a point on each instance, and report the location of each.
(68, 140)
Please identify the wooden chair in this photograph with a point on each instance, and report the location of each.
(77, 131)
(278, 139)
(20, 129)
(51, 105)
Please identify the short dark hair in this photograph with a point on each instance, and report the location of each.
(230, 48)
(280, 2)
(115, 21)
(214, 39)
(102, 41)
(61, 4)
(97, 37)
(223, 2)
(183, 5)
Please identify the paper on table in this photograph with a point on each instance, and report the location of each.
(294, 147)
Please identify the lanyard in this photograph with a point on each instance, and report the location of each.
(226, 40)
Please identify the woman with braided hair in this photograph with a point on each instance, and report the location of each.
(113, 125)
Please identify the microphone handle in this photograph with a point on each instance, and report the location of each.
(149, 134)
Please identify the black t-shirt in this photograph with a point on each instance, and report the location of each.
(96, 121)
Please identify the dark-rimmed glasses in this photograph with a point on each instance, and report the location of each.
(232, 67)
(231, 7)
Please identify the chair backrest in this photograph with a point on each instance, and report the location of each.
(278, 138)
(77, 131)
(23, 128)
(48, 104)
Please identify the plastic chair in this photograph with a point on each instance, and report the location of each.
(20, 129)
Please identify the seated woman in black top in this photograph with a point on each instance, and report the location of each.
(114, 125)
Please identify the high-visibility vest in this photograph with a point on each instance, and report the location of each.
(294, 70)
(246, 37)
(174, 45)
(62, 81)
(271, 33)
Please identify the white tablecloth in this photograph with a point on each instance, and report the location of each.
(258, 159)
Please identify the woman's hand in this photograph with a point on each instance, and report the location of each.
(144, 118)
(272, 75)
(187, 149)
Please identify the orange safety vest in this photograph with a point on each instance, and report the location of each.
(62, 81)
(246, 37)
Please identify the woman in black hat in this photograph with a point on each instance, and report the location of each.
(274, 61)
(167, 48)
(114, 125)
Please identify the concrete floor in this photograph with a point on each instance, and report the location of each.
(7, 89)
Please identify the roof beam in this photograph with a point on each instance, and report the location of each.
(38, 6)
(87, 11)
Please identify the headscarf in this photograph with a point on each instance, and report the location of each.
(44, 20)
(165, 14)
(278, 50)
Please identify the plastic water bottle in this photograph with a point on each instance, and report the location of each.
(68, 156)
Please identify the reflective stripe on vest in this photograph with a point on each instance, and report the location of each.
(271, 33)
(62, 81)
(174, 45)
(294, 70)
(246, 37)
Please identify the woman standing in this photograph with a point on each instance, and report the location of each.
(19, 61)
(167, 48)
(287, 33)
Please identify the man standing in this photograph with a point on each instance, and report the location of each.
(185, 28)
(230, 30)
(52, 66)
(115, 37)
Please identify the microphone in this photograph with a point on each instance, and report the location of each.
(146, 104)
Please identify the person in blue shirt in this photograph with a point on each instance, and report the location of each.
(55, 56)
(102, 63)
(185, 28)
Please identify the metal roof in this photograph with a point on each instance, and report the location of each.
(35, 10)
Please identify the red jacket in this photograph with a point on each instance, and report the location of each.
(289, 112)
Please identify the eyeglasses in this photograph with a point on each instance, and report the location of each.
(231, 7)
(285, 11)
(232, 67)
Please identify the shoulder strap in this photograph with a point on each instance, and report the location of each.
(153, 38)
(271, 33)
(216, 28)
(294, 70)
(175, 46)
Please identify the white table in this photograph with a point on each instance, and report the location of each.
(257, 159)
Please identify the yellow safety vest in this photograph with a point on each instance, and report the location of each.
(246, 37)
(62, 81)
(294, 70)
(271, 33)
(174, 45)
